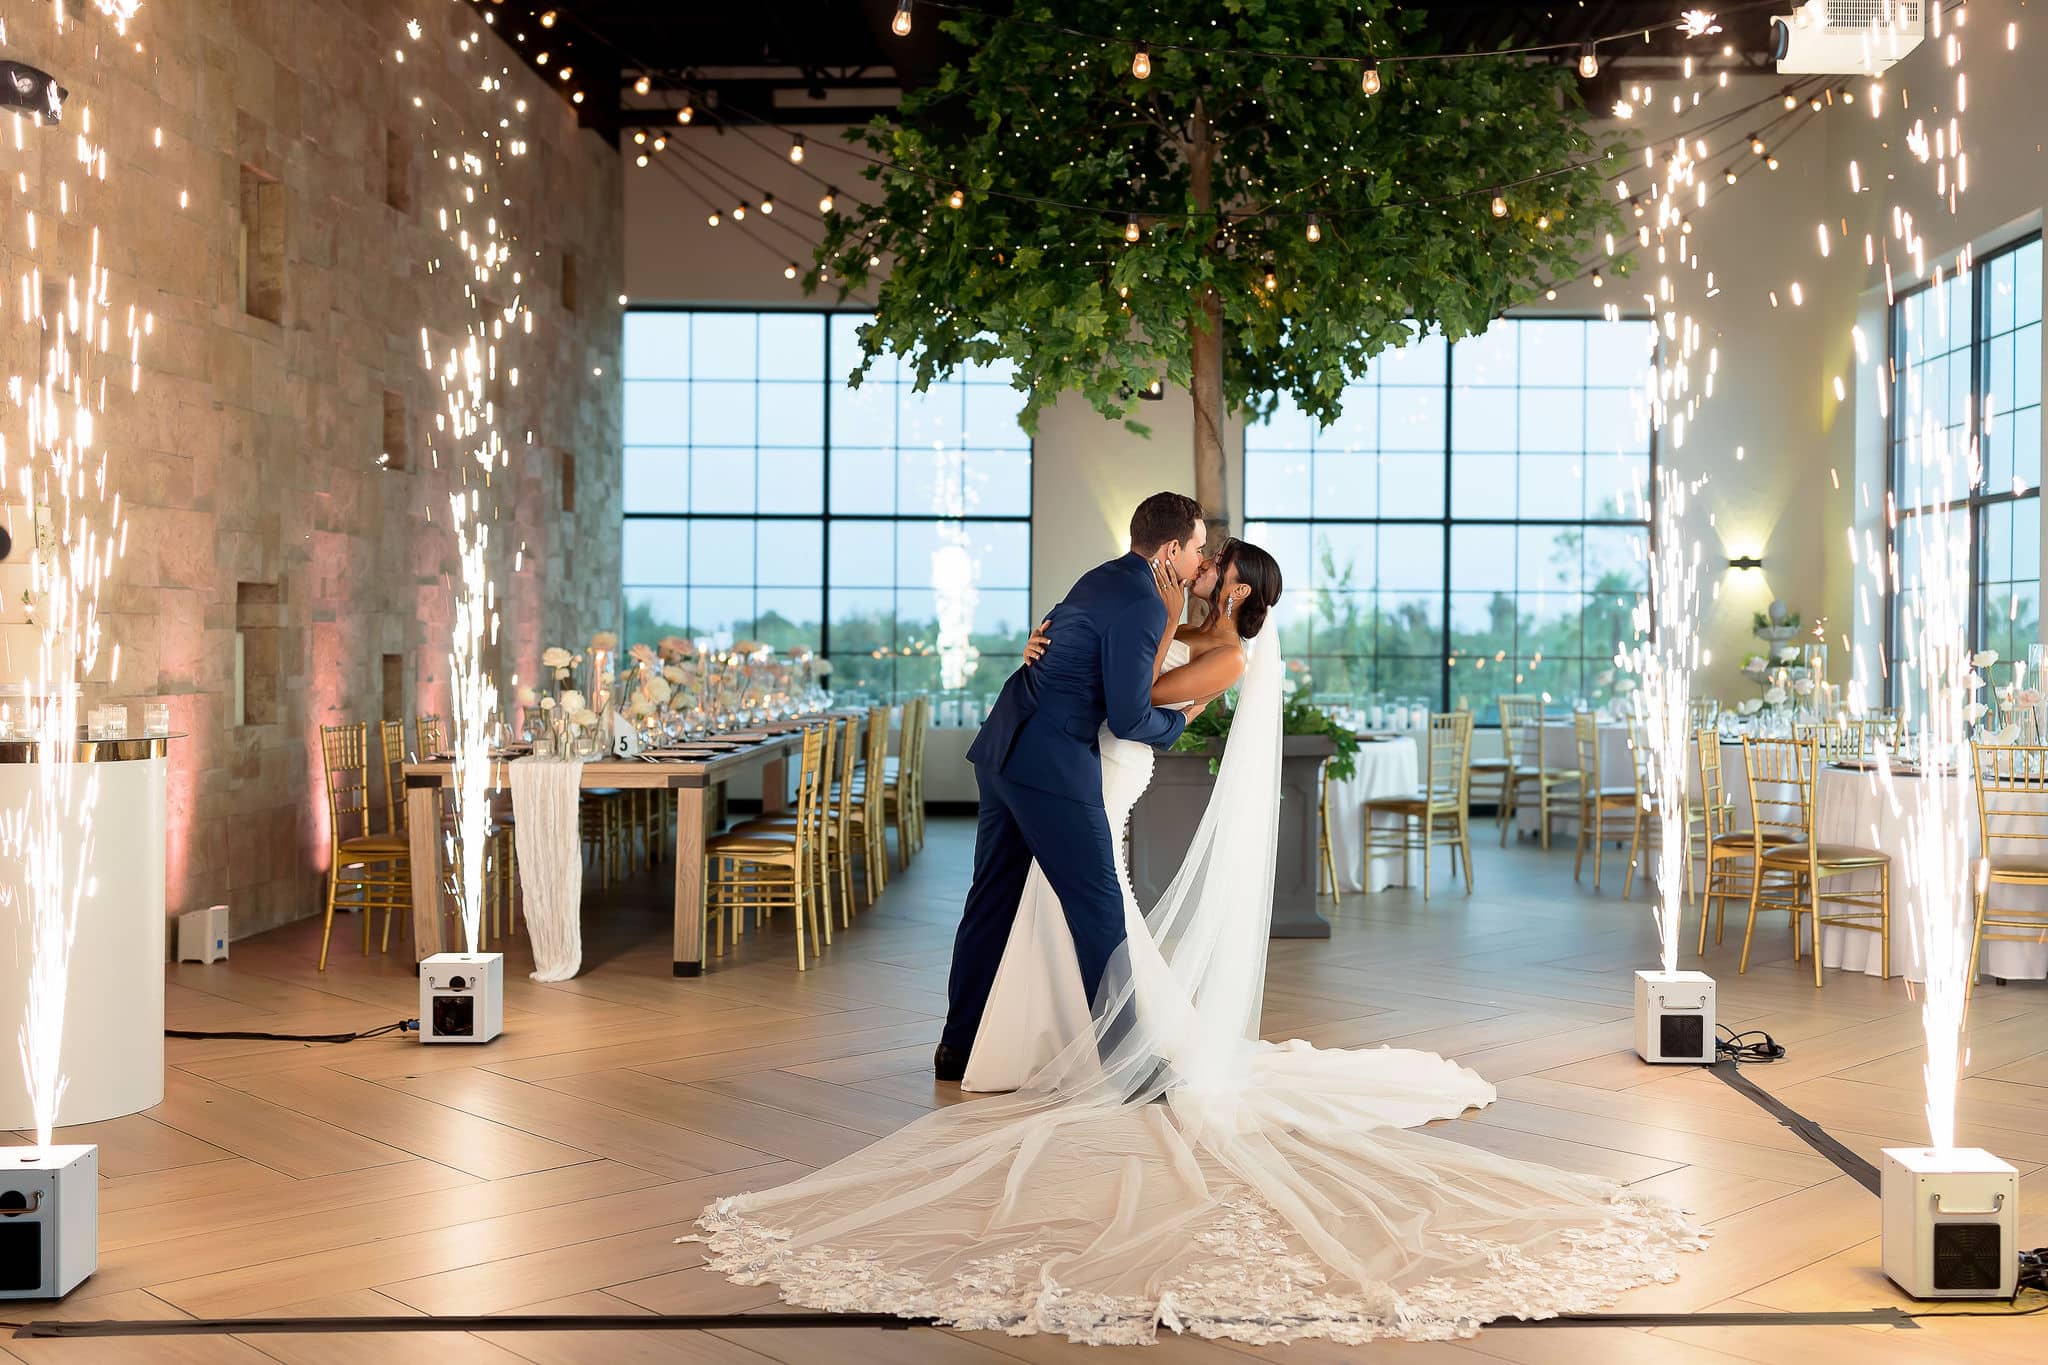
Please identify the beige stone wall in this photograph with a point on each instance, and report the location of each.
(248, 460)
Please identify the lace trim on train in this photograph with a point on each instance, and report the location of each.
(1252, 1285)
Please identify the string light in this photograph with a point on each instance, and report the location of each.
(639, 136)
(796, 151)
(1500, 205)
(1756, 144)
(548, 20)
(1314, 230)
(713, 218)
(825, 200)
(686, 113)
(739, 213)
(1131, 228)
(789, 271)
(1599, 280)
(660, 142)
(957, 197)
(1141, 63)
(640, 160)
(566, 72)
(1729, 175)
(1371, 80)
(642, 85)
(1772, 162)
(1589, 62)
(767, 203)
(900, 25)
(1272, 280)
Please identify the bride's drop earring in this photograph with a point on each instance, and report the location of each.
(1230, 607)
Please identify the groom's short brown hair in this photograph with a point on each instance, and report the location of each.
(1163, 517)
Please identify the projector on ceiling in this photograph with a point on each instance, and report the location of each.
(1846, 37)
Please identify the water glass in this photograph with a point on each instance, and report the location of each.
(156, 717)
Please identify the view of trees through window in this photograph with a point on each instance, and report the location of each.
(767, 499)
(1474, 524)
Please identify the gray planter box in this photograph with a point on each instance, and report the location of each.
(1164, 822)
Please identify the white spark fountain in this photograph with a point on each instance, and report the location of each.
(1664, 658)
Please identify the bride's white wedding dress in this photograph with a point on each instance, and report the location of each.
(1157, 1163)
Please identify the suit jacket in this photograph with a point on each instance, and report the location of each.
(1042, 732)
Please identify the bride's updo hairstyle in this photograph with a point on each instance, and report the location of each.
(1258, 571)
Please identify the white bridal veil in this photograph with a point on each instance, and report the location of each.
(1170, 1168)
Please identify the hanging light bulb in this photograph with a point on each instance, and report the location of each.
(874, 260)
(686, 113)
(956, 198)
(1771, 162)
(1589, 62)
(1756, 144)
(712, 219)
(576, 98)
(639, 136)
(1543, 221)
(660, 142)
(548, 20)
(767, 203)
(1791, 100)
(825, 200)
(1131, 229)
(640, 160)
(796, 151)
(1599, 280)
(1500, 205)
(1370, 82)
(1639, 206)
(1272, 280)
(1314, 231)
(1730, 176)
(789, 271)
(566, 72)
(1141, 63)
(1685, 226)
(642, 85)
(900, 25)
(1814, 104)
(739, 213)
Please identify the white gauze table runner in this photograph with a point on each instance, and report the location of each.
(544, 796)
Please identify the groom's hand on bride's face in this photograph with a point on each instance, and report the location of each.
(1035, 647)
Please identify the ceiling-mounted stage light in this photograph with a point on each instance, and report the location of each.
(26, 87)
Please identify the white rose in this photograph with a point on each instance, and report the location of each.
(1750, 707)
(1984, 658)
(1753, 664)
(1975, 679)
(554, 656)
(1974, 712)
(1787, 653)
(1775, 696)
(586, 717)
(526, 696)
(547, 703)
(641, 708)
(573, 701)
(658, 689)
(673, 673)
(1803, 686)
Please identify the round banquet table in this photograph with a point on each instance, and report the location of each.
(1854, 810)
(1388, 765)
(1561, 750)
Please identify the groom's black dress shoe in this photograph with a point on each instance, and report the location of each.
(949, 1064)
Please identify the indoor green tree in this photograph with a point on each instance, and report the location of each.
(1203, 203)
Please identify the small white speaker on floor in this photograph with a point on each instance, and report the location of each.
(1675, 1017)
(462, 997)
(49, 1220)
(1949, 1222)
(203, 935)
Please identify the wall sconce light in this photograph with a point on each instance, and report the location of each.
(1746, 562)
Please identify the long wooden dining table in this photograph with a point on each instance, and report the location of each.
(692, 777)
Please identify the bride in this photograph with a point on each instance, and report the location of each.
(1156, 1162)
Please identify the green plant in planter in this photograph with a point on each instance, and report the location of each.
(1298, 716)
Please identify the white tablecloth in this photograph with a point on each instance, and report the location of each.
(1386, 767)
(1561, 750)
(1853, 810)
(550, 842)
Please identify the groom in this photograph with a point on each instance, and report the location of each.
(1040, 774)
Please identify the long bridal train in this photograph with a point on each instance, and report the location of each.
(1167, 1167)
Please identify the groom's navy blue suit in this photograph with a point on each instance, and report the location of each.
(1040, 775)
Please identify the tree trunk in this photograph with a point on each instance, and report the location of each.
(1205, 335)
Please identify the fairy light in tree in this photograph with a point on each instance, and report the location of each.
(1131, 228)
(1314, 230)
(1370, 81)
(1141, 63)
(1499, 205)
(827, 199)
(956, 197)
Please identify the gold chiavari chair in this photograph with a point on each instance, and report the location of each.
(1648, 832)
(1834, 741)
(1782, 776)
(1877, 727)
(391, 759)
(818, 832)
(427, 731)
(1326, 853)
(2012, 813)
(764, 870)
(1491, 776)
(1441, 813)
(1521, 727)
(377, 867)
(865, 814)
(1602, 808)
(903, 792)
(1726, 852)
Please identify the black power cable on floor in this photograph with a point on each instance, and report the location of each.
(1735, 1048)
(402, 1026)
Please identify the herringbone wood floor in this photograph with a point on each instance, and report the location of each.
(550, 1170)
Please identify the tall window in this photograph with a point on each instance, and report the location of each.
(766, 499)
(1471, 524)
(1967, 362)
